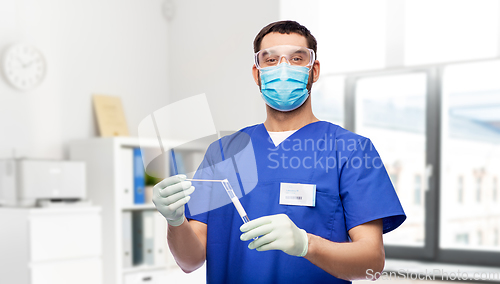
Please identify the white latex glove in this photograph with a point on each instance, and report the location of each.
(169, 197)
(277, 232)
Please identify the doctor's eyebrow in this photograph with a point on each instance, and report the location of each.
(300, 51)
(264, 53)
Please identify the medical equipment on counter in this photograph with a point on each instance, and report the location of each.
(27, 182)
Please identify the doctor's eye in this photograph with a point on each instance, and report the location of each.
(296, 60)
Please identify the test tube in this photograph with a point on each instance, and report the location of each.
(235, 200)
(229, 189)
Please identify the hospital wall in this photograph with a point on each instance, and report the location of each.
(132, 50)
(92, 47)
(211, 51)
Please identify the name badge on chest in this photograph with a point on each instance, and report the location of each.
(297, 194)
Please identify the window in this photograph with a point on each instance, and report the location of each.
(460, 189)
(360, 35)
(394, 180)
(494, 193)
(390, 110)
(417, 199)
(453, 30)
(470, 145)
(462, 239)
(440, 122)
(478, 189)
(328, 99)
(394, 109)
(361, 46)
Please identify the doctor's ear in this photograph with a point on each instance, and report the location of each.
(315, 71)
(255, 73)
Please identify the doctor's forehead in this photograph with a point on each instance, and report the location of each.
(273, 39)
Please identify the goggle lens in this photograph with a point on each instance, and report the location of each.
(294, 55)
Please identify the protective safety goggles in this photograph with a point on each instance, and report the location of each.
(294, 55)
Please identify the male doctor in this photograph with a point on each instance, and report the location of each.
(334, 238)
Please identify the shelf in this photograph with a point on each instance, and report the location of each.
(138, 207)
(136, 142)
(106, 181)
(154, 143)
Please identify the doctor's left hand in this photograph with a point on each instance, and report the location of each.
(277, 232)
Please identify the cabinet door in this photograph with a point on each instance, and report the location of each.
(79, 271)
(146, 277)
(62, 236)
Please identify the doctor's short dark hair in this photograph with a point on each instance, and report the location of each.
(286, 27)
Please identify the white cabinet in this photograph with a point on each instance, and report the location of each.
(74, 271)
(109, 186)
(148, 277)
(50, 245)
(64, 236)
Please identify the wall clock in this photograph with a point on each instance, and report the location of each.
(24, 66)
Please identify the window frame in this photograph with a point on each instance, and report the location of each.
(430, 182)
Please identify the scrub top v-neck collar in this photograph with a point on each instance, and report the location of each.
(279, 136)
(269, 140)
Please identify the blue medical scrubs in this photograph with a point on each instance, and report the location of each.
(352, 188)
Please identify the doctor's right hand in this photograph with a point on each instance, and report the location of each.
(169, 197)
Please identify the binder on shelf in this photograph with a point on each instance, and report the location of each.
(127, 172)
(176, 163)
(137, 245)
(127, 238)
(148, 237)
(139, 182)
(160, 240)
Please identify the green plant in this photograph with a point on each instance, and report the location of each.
(150, 180)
